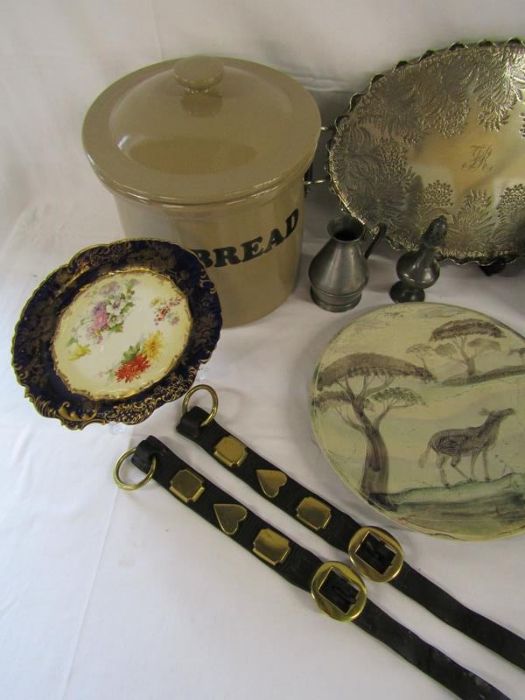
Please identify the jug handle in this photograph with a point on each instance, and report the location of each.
(381, 230)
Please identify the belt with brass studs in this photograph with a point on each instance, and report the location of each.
(375, 553)
(337, 589)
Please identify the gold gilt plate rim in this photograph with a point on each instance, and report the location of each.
(75, 411)
(332, 147)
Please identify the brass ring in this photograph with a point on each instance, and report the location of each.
(215, 402)
(132, 487)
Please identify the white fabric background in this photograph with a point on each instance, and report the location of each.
(110, 595)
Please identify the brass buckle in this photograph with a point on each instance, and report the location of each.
(328, 606)
(132, 487)
(364, 567)
(215, 402)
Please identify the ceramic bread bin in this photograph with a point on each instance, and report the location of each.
(211, 153)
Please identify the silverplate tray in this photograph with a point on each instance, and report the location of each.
(430, 431)
(115, 333)
(441, 135)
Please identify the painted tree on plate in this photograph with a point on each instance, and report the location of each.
(465, 340)
(359, 388)
(421, 351)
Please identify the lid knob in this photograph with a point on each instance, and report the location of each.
(198, 73)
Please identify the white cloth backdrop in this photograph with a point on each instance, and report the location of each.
(109, 595)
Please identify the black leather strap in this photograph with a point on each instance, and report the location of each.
(340, 529)
(299, 568)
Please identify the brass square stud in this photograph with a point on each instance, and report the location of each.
(314, 513)
(271, 547)
(187, 486)
(230, 451)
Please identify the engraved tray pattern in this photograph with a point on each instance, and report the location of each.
(442, 135)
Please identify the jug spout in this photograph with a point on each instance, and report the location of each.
(348, 230)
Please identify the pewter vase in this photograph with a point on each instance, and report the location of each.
(339, 271)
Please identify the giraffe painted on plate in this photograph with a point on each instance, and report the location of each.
(456, 443)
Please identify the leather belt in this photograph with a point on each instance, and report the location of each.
(337, 589)
(374, 552)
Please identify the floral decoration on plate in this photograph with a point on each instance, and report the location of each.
(116, 332)
(419, 408)
(121, 334)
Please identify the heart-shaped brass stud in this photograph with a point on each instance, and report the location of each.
(270, 481)
(229, 516)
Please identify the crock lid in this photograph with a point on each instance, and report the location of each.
(200, 129)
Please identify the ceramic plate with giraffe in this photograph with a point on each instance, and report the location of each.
(420, 408)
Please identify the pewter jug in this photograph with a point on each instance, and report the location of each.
(339, 271)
